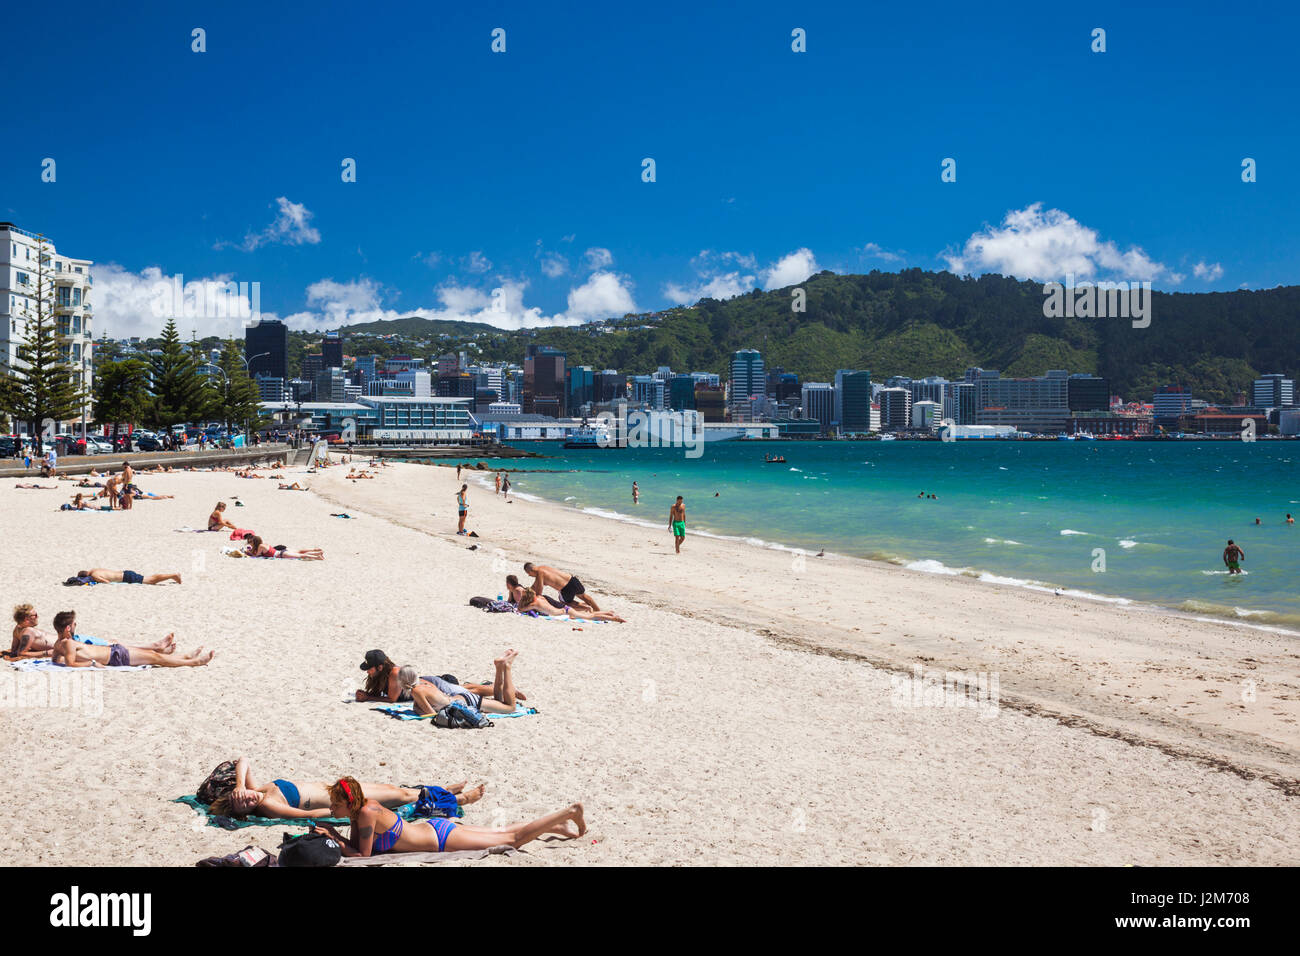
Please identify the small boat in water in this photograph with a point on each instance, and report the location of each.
(584, 436)
(778, 460)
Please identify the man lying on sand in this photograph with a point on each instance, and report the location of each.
(107, 576)
(388, 683)
(30, 641)
(293, 487)
(241, 794)
(376, 829)
(69, 653)
(567, 584)
(38, 487)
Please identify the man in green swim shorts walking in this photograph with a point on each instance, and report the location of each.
(677, 522)
(1232, 557)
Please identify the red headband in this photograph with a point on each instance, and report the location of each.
(346, 789)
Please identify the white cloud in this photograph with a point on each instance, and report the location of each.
(873, 251)
(723, 286)
(604, 295)
(139, 303)
(477, 263)
(554, 265)
(292, 227)
(598, 258)
(790, 270)
(1207, 272)
(1035, 244)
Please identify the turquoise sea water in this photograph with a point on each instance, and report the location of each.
(1032, 512)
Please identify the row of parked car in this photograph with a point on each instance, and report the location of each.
(15, 446)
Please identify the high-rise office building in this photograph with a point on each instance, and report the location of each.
(959, 403)
(853, 401)
(748, 381)
(1273, 391)
(819, 403)
(1170, 403)
(544, 382)
(331, 349)
(312, 364)
(581, 387)
(266, 349)
(1039, 405)
(895, 409)
(1088, 393)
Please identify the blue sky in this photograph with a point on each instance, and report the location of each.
(522, 171)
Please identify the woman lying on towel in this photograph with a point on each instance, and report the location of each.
(530, 601)
(287, 799)
(257, 549)
(385, 681)
(376, 829)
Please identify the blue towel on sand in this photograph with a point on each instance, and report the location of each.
(405, 712)
(86, 639)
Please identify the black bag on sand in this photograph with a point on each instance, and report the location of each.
(310, 849)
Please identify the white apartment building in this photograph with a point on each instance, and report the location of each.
(67, 296)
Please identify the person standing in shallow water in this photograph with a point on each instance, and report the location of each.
(1232, 557)
(677, 522)
(636, 493)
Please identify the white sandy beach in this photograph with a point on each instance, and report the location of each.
(745, 715)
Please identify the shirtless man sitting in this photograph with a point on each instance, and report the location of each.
(570, 588)
(107, 576)
(69, 653)
(30, 641)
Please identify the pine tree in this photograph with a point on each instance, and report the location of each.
(177, 385)
(122, 392)
(239, 401)
(46, 384)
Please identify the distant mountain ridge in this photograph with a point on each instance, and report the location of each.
(921, 323)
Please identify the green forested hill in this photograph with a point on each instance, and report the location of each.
(934, 323)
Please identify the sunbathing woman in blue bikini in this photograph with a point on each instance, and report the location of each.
(286, 799)
(376, 829)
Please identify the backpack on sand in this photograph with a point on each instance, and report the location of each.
(457, 716)
(310, 849)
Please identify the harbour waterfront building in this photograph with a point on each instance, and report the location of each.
(1088, 393)
(1273, 391)
(819, 403)
(1037, 405)
(853, 401)
(959, 403)
(1171, 402)
(925, 415)
(895, 409)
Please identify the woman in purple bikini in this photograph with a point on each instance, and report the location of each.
(375, 829)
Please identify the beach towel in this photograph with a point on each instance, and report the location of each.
(233, 552)
(230, 823)
(238, 534)
(47, 665)
(187, 529)
(399, 859)
(86, 639)
(406, 712)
